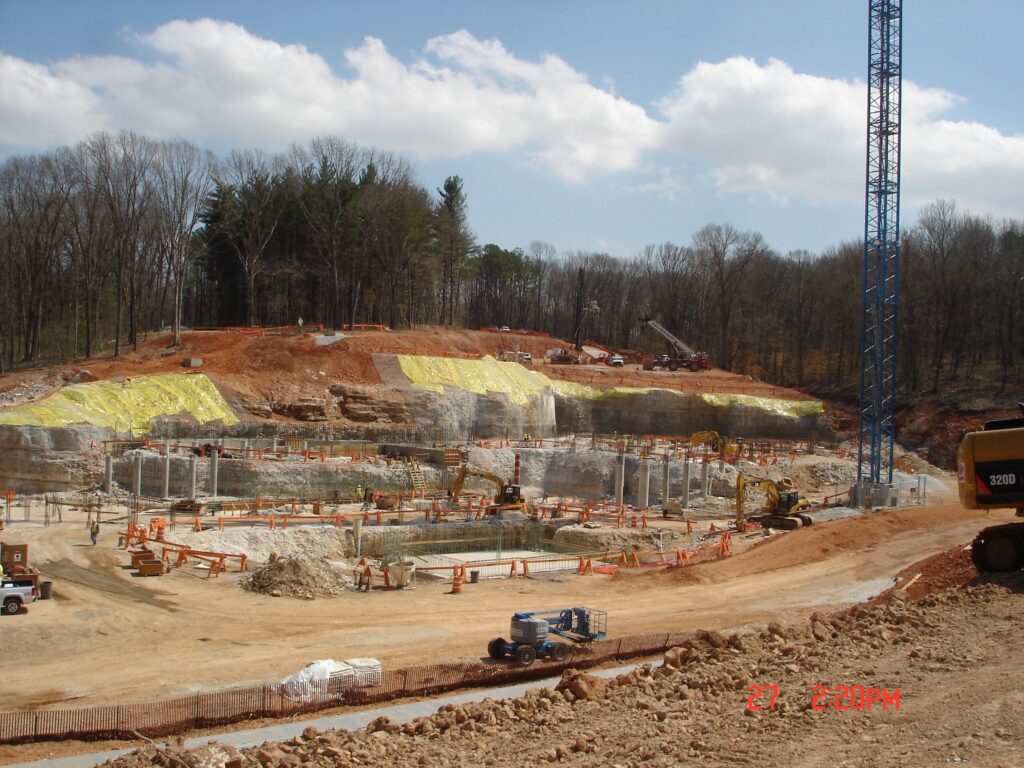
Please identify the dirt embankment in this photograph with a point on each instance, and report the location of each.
(868, 686)
(821, 542)
(286, 368)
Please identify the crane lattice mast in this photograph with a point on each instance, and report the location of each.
(877, 434)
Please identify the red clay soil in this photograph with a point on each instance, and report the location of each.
(288, 367)
(942, 571)
(820, 542)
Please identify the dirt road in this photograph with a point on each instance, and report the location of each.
(898, 683)
(108, 636)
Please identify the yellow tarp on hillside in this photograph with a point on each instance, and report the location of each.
(520, 385)
(125, 406)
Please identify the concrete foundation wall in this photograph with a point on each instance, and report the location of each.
(248, 478)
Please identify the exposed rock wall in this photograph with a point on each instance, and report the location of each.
(34, 459)
(249, 478)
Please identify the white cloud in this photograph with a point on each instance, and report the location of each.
(40, 108)
(218, 83)
(753, 129)
(765, 129)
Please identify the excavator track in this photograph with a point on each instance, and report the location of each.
(1000, 548)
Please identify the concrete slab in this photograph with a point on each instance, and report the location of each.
(554, 562)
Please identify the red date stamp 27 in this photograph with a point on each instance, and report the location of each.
(840, 698)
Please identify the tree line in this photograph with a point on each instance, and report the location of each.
(120, 235)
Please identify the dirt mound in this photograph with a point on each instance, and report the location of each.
(867, 686)
(824, 540)
(941, 571)
(297, 577)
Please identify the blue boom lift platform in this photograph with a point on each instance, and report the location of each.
(531, 633)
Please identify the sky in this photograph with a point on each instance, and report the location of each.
(593, 126)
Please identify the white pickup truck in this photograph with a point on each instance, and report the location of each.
(14, 593)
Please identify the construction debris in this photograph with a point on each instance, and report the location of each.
(298, 577)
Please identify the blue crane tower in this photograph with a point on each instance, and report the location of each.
(877, 432)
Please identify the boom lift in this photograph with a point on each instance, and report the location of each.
(683, 355)
(783, 507)
(531, 633)
(991, 476)
(508, 496)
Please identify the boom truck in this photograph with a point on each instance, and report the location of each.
(990, 475)
(682, 355)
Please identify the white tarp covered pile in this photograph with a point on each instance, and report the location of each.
(327, 676)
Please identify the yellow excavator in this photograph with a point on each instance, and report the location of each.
(990, 475)
(718, 443)
(783, 506)
(508, 496)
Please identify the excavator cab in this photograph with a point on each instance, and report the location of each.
(991, 476)
(510, 494)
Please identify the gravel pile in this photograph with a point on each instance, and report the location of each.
(297, 577)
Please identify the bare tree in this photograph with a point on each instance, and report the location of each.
(184, 175)
(251, 207)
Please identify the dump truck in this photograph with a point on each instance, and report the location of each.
(990, 475)
(531, 633)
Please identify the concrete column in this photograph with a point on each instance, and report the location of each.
(192, 477)
(213, 472)
(273, 445)
(664, 484)
(685, 498)
(137, 486)
(166, 490)
(304, 446)
(620, 479)
(643, 495)
(108, 473)
(704, 479)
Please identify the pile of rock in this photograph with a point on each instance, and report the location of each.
(297, 577)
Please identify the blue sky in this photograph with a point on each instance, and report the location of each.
(588, 125)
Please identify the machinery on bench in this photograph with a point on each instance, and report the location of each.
(532, 631)
(991, 476)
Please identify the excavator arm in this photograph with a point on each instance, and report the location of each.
(712, 438)
(680, 347)
(772, 511)
(466, 471)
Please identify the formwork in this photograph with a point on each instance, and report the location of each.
(437, 550)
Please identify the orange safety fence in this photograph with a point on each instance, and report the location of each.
(157, 719)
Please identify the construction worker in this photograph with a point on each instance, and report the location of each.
(359, 492)
(1, 571)
(94, 531)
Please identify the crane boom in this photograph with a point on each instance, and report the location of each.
(678, 345)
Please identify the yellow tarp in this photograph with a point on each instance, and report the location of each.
(520, 385)
(130, 405)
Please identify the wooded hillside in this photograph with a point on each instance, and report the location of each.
(119, 235)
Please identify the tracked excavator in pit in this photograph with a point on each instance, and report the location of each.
(990, 475)
(508, 497)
